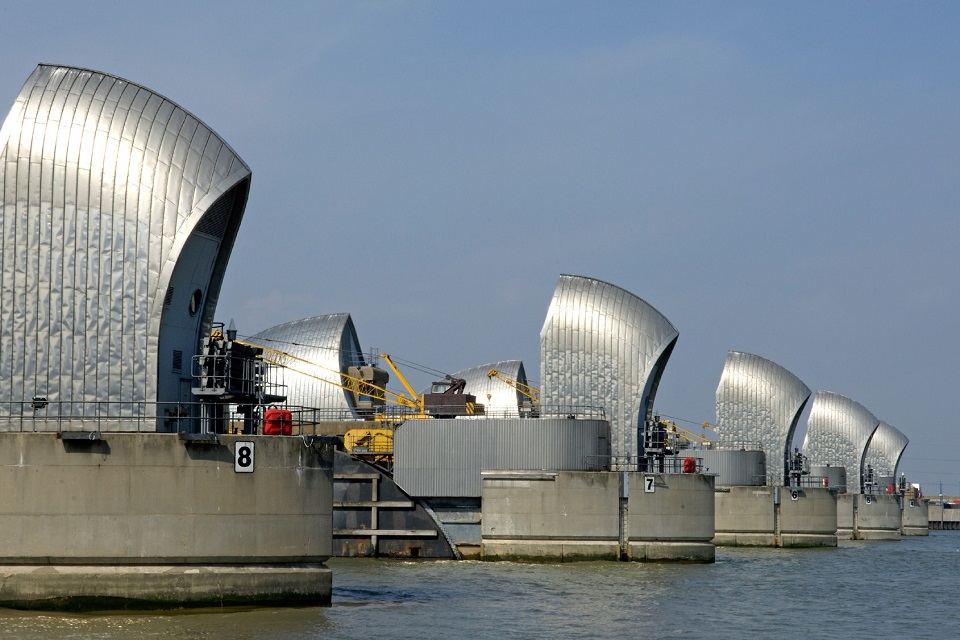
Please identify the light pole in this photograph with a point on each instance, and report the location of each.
(941, 505)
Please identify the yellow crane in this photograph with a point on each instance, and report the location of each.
(367, 384)
(375, 444)
(403, 380)
(685, 434)
(357, 385)
(530, 392)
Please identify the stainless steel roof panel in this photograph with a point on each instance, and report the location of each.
(329, 343)
(885, 449)
(600, 345)
(759, 404)
(96, 253)
(498, 397)
(838, 432)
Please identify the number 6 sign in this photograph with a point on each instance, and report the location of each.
(243, 457)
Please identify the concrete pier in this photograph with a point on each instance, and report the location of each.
(789, 517)
(581, 515)
(868, 517)
(916, 518)
(151, 520)
(942, 517)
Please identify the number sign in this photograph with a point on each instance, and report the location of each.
(243, 457)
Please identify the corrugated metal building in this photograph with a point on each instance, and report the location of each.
(838, 432)
(759, 405)
(604, 347)
(323, 347)
(884, 452)
(498, 397)
(118, 210)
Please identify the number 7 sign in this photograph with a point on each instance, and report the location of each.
(649, 484)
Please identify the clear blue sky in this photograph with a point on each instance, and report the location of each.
(777, 178)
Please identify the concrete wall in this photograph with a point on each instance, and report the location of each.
(558, 516)
(940, 518)
(756, 516)
(809, 521)
(858, 519)
(879, 518)
(136, 500)
(745, 517)
(916, 520)
(574, 515)
(674, 521)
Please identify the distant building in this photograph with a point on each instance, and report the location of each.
(323, 347)
(118, 210)
(497, 396)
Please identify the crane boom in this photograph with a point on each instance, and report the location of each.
(685, 434)
(531, 392)
(403, 380)
(356, 385)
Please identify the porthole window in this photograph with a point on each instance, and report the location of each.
(195, 301)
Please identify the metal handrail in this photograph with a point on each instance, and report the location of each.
(103, 416)
(669, 464)
(120, 416)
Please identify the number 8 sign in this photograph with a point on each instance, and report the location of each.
(243, 457)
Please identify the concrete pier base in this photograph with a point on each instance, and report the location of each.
(862, 517)
(546, 550)
(787, 517)
(148, 520)
(98, 587)
(671, 517)
(579, 515)
(916, 518)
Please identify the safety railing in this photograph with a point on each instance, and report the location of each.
(103, 416)
(666, 464)
(39, 414)
(815, 482)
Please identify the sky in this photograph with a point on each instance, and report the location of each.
(778, 178)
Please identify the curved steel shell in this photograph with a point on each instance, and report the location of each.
(885, 449)
(838, 432)
(759, 404)
(330, 343)
(119, 210)
(602, 346)
(498, 397)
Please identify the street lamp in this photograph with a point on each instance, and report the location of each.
(941, 505)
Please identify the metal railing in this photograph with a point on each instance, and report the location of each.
(103, 416)
(668, 464)
(107, 416)
(818, 482)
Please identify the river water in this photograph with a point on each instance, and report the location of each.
(906, 589)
